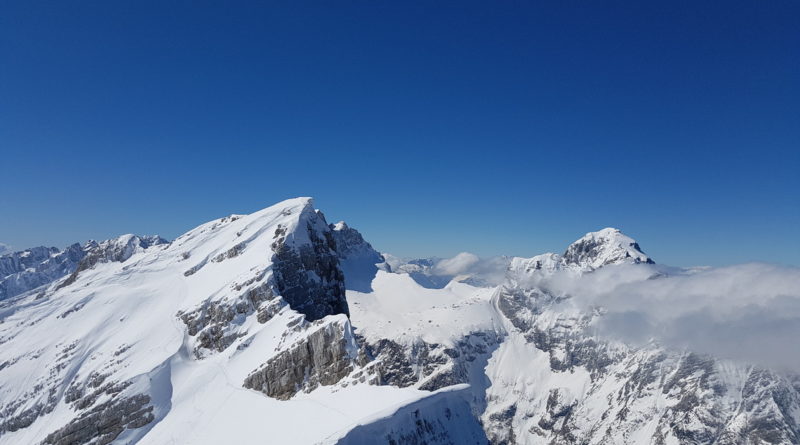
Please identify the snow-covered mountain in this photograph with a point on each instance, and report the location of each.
(277, 327)
(31, 268)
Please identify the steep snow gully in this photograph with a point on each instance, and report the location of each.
(277, 327)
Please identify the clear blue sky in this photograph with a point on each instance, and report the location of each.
(433, 127)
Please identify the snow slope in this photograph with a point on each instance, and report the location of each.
(276, 327)
(30, 268)
(113, 347)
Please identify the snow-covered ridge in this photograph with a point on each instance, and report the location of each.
(38, 266)
(278, 326)
(106, 342)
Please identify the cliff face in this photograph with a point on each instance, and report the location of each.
(325, 354)
(306, 267)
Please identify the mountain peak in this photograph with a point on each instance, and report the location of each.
(606, 246)
(357, 258)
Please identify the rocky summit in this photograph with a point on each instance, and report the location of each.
(278, 327)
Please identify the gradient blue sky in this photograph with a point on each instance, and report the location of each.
(433, 127)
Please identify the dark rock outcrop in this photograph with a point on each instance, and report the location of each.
(103, 423)
(306, 267)
(431, 366)
(213, 322)
(323, 357)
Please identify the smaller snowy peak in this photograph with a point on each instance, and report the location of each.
(121, 248)
(357, 259)
(114, 250)
(607, 246)
(592, 251)
(5, 248)
(351, 244)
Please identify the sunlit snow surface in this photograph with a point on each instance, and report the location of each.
(402, 310)
(120, 320)
(536, 376)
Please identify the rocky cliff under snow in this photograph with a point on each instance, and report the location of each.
(277, 327)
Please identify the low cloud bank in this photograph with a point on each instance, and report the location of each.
(457, 265)
(491, 271)
(748, 312)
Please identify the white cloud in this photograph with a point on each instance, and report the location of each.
(488, 271)
(749, 312)
(457, 265)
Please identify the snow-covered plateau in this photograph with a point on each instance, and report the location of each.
(280, 328)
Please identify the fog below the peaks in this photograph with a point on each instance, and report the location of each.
(747, 312)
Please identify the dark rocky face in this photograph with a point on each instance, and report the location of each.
(321, 358)
(308, 276)
(430, 366)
